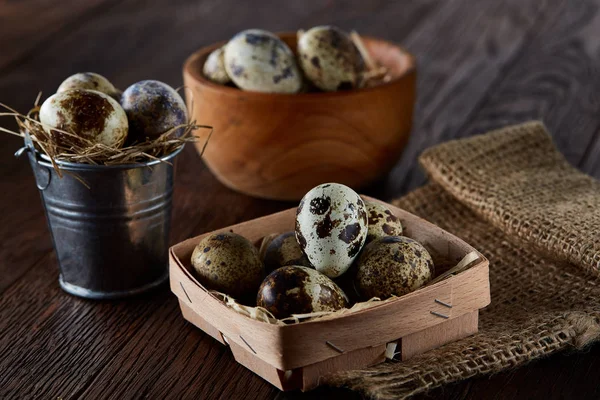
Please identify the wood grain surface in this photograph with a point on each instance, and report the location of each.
(482, 64)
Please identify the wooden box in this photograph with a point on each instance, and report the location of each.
(296, 356)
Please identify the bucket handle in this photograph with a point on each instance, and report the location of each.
(42, 174)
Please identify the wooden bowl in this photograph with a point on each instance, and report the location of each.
(297, 356)
(279, 146)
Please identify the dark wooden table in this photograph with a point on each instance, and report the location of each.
(482, 64)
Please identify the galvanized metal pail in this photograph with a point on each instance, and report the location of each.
(112, 238)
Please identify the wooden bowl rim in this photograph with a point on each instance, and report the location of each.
(197, 75)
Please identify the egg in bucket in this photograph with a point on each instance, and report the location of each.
(107, 188)
(282, 139)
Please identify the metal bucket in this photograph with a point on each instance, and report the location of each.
(112, 238)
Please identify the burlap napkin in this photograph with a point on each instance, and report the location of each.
(512, 195)
(515, 179)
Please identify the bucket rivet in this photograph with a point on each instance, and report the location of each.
(42, 178)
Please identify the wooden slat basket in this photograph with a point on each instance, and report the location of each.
(296, 356)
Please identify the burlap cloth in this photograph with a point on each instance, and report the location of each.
(513, 196)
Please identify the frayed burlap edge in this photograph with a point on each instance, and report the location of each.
(448, 364)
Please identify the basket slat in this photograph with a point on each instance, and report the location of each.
(440, 334)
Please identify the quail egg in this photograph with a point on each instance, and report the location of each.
(329, 59)
(89, 81)
(382, 222)
(347, 282)
(87, 114)
(259, 61)
(153, 108)
(299, 290)
(393, 265)
(284, 250)
(331, 227)
(228, 263)
(214, 67)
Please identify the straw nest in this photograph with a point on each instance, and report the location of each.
(262, 314)
(82, 150)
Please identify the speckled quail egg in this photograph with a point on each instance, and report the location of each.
(89, 81)
(347, 282)
(299, 290)
(393, 265)
(382, 222)
(214, 67)
(329, 59)
(87, 114)
(259, 61)
(331, 227)
(153, 108)
(284, 250)
(228, 263)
